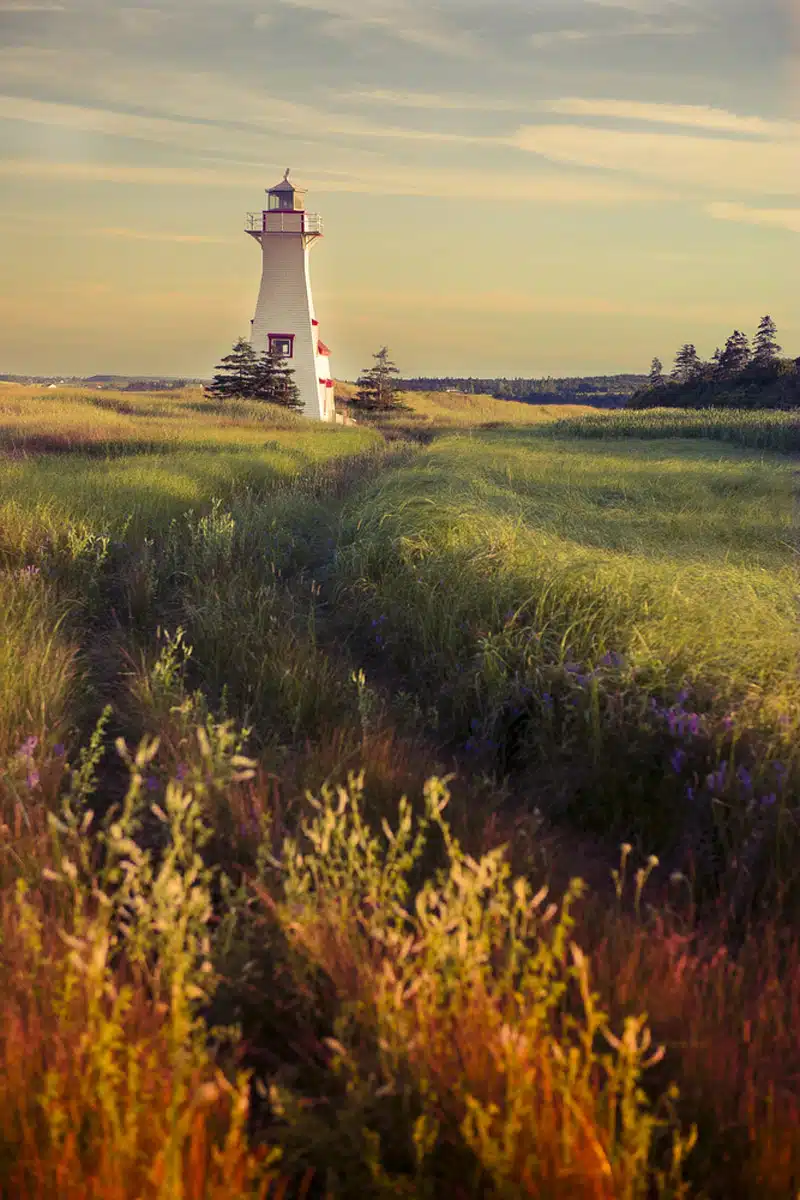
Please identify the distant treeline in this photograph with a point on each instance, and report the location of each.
(610, 391)
(739, 375)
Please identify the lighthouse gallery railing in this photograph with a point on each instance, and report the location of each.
(283, 222)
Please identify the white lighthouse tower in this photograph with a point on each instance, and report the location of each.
(285, 321)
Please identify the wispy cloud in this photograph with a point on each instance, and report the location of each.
(688, 115)
(633, 29)
(418, 23)
(515, 302)
(432, 101)
(683, 160)
(542, 188)
(779, 218)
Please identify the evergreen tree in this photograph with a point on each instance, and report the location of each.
(687, 364)
(656, 376)
(736, 355)
(377, 385)
(235, 376)
(765, 344)
(273, 381)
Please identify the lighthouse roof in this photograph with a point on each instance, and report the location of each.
(285, 185)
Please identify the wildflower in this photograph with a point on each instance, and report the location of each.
(151, 783)
(690, 793)
(58, 749)
(744, 777)
(28, 746)
(547, 700)
(613, 659)
(32, 779)
(769, 800)
(181, 772)
(678, 761)
(716, 780)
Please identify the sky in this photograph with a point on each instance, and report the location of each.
(509, 187)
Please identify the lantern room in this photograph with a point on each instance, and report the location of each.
(285, 197)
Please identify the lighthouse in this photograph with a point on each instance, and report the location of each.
(285, 322)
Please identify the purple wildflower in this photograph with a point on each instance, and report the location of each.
(716, 780)
(767, 801)
(745, 778)
(58, 749)
(32, 779)
(690, 793)
(678, 761)
(151, 783)
(28, 746)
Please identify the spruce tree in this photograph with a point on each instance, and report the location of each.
(274, 383)
(235, 376)
(656, 376)
(736, 355)
(377, 385)
(765, 344)
(687, 364)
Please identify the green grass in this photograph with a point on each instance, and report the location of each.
(301, 626)
(762, 430)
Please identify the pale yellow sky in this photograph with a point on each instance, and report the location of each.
(525, 187)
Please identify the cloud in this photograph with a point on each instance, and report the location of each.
(552, 37)
(689, 115)
(452, 102)
(152, 235)
(514, 303)
(419, 24)
(552, 188)
(83, 172)
(780, 218)
(678, 159)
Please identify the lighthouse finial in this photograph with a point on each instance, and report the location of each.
(286, 175)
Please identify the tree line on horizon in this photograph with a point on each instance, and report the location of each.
(612, 390)
(740, 374)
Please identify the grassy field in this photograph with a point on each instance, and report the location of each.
(304, 732)
(438, 409)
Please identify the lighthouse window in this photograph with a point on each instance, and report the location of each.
(281, 201)
(281, 344)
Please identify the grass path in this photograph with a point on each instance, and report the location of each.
(322, 591)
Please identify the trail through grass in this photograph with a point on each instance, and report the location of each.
(300, 627)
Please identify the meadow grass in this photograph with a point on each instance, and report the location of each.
(763, 430)
(239, 961)
(459, 409)
(556, 601)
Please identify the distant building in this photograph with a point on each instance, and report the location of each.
(284, 321)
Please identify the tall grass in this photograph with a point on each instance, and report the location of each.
(762, 430)
(632, 613)
(239, 960)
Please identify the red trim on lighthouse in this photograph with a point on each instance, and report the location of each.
(323, 349)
